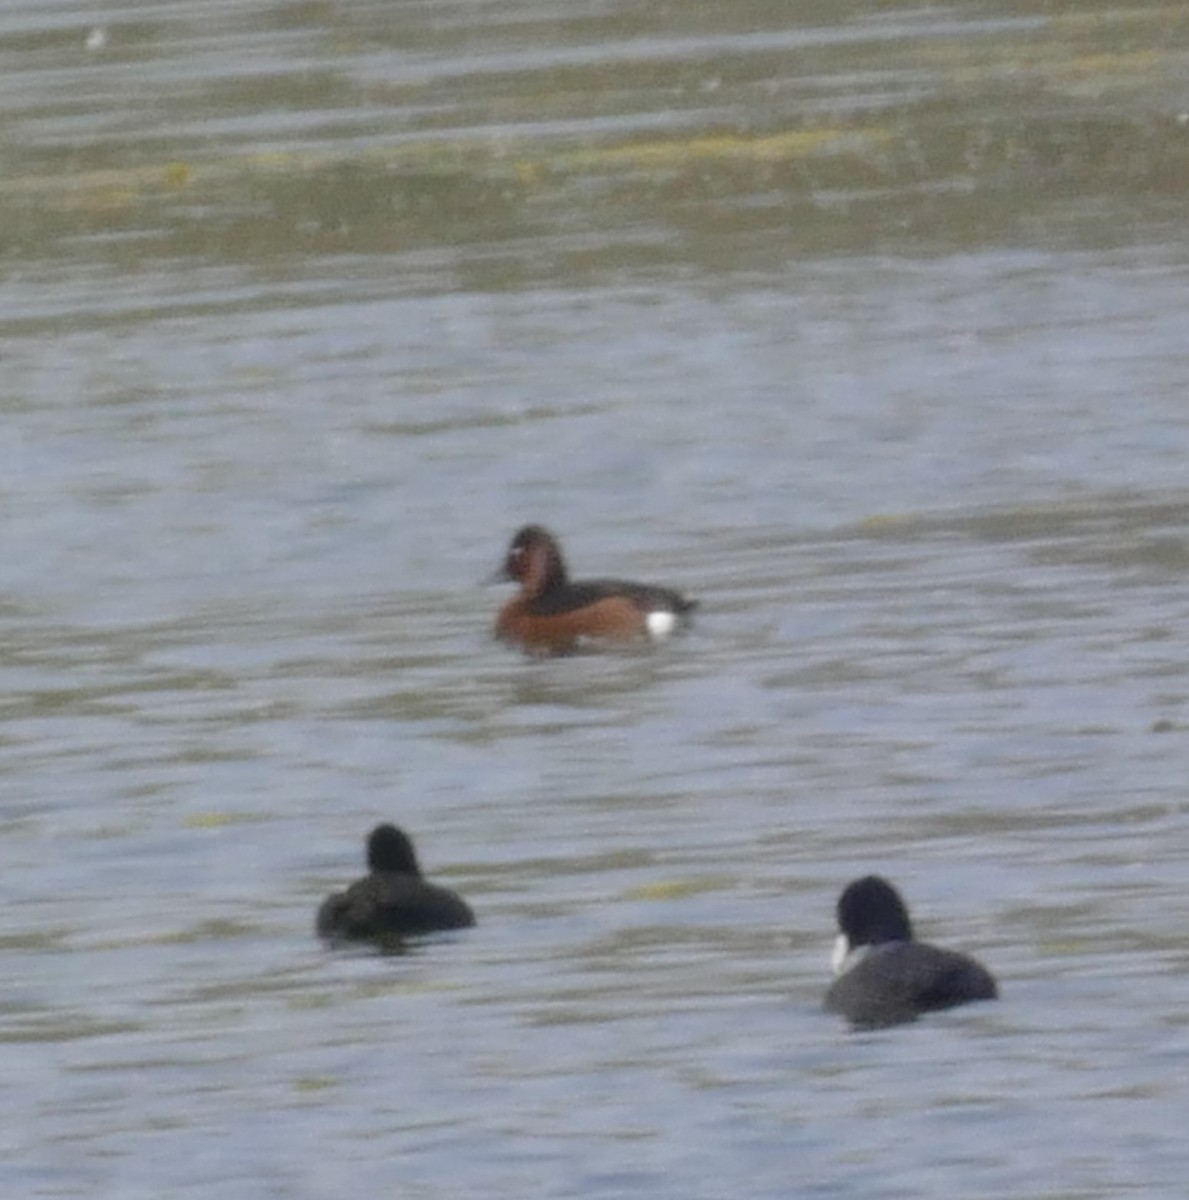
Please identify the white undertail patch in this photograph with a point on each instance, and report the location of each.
(660, 622)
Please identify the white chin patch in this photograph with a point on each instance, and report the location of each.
(840, 954)
(660, 623)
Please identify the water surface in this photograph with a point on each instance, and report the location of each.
(862, 323)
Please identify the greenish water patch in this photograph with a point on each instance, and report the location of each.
(961, 133)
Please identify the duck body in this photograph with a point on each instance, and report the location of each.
(886, 977)
(553, 614)
(899, 981)
(392, 901)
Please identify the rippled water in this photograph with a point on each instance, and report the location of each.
(863, 323)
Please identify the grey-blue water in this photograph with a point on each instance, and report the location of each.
(279, 388)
